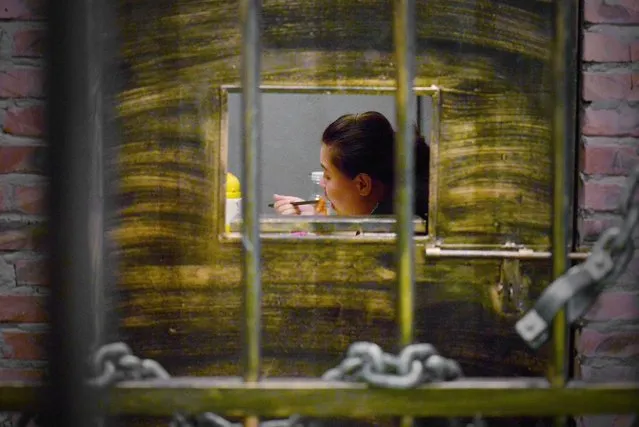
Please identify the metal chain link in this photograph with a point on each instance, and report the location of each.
(115, 362)
(364, 362)
(579, 287)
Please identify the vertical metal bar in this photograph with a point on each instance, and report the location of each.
(251, 157)
(75, 229)
(563, 135)
(404, 32)
(99, 103)
(404, 165)
(112, 79)
(574, 71)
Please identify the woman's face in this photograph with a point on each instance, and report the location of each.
(347, 196)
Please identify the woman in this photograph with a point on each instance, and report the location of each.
(357, 156)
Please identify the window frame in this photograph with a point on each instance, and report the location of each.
(329, 228)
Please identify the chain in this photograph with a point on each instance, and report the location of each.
(115, 362)
(579, 287)
(364, 362)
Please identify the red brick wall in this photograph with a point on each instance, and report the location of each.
(608, 342)
(23, 282)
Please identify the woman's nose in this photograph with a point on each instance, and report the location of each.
(322, 183)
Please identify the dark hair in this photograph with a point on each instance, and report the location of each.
(365, 143)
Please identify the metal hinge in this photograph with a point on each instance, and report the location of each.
(512, 290)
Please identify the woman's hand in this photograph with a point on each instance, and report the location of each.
(283, 206)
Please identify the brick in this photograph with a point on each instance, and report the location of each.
(622, 121)
(591, 228)
(605, 421)
(607, 86)
(21, 237)
(7, 274)
(28, 43)
(633, 94)
(22, 83)
(609, 159)
(21, 374)
(601, 47)
(607, 372)
(634, 51)
(23, 309)
(600, 196)
(630, 277)
(29, 199)
(28, 121)
(611, 11)
(32, 272)
(22, 345)
(6, 197)
(15, 240)
(22, 159)
(22, 9)
(591, 343)
(615, 306)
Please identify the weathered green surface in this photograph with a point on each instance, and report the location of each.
(489, 59)
(316, 302)
(179, 292)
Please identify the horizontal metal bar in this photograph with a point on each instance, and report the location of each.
(330, 224)
(314, 239)
(343, 235)
(331, 90)
(435, 252)
(278, 398)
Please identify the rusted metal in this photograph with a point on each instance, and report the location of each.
(251, 157)
(279, 398)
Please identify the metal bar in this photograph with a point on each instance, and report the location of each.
(496, 254)
(341, 238)
(574, 121)
(251, 157)
(344, 237)
(296, 88)
(324, 224)
(74, 122)
(404, 31)
(278, 398)
(563, 148)
(102, 92)
(96, 173)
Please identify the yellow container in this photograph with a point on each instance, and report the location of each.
(233, 200)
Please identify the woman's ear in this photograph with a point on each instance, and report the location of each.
(364, 184)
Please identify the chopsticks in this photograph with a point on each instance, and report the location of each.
(303, 202)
